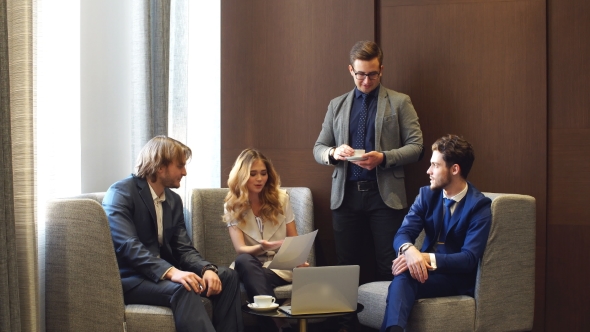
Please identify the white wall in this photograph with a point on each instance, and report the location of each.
(106, 99)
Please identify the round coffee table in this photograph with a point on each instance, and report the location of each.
(301, 319)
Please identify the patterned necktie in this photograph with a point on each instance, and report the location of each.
(359, 143)
(447, 219)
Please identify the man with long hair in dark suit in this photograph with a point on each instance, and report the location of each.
(157, 261)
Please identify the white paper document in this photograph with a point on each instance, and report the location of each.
(293, 252)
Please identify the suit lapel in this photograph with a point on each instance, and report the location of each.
(458, 213)
(166, 219)
(438, 217)
(250, 228)
(146, 196)
(346, 108)
(270, 229)
(382, 104)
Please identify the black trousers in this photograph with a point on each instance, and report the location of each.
(187, 307)
(258, 281)
(361, 211)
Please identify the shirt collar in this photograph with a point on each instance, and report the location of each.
(459, 196)
(358, 93)
(155, 196)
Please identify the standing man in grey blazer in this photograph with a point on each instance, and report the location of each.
(368, 193)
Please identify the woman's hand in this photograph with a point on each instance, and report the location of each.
(271, 245)
(306, 264)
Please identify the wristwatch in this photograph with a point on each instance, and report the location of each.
(405, 247)
(209, 267)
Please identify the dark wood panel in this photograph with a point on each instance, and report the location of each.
(567, 287)
(396, 3)
(568, 180)
(477, 69)
(282, 62)
(569, 68)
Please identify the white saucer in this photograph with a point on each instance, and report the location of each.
(355, 158)
(254, 307)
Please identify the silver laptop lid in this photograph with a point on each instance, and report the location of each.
(325, 289)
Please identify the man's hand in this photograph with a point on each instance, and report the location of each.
(212, 283)
(417, 263)
(343, 151)
(190, 280)
(373, 160)
(399, 265)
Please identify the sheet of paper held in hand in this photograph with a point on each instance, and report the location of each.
(293, 252)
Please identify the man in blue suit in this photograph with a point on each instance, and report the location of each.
(456, 218)
(157, 261)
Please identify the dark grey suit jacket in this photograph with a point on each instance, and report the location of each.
(132, 218)
(397, 135)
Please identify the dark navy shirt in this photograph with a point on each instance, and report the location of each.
(355, 114)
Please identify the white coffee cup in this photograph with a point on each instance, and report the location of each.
(358, 152)
(264, 301)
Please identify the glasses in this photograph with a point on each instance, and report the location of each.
(361, 76)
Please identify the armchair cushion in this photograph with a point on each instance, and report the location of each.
(504, 290)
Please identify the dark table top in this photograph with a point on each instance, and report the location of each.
(276, 313)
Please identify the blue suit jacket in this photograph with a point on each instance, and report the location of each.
(132, 218)
(466, 237)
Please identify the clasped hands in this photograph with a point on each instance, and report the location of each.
(192, 282)
(413, 260)
(373, 158)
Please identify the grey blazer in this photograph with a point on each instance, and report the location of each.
(397, 135)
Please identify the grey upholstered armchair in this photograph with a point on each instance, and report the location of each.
(211, 238)
(505, 285)
(83, 288)
(82, 284)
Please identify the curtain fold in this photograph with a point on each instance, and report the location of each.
(10, 304)
(160, 61)
(20, 286)
(151, 35)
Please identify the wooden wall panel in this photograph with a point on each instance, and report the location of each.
(282, 62)
(478, 69)
(568, 217)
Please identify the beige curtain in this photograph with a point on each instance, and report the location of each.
(10, 304)
(19, 272)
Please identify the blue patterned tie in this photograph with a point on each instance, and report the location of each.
(359, 143)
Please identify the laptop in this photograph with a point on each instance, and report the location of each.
(322, 290)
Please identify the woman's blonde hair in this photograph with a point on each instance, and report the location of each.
(237, 201)
(157, 152)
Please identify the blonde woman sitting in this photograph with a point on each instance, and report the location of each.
(259, 217)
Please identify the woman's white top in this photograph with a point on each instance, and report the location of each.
(255, 229)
